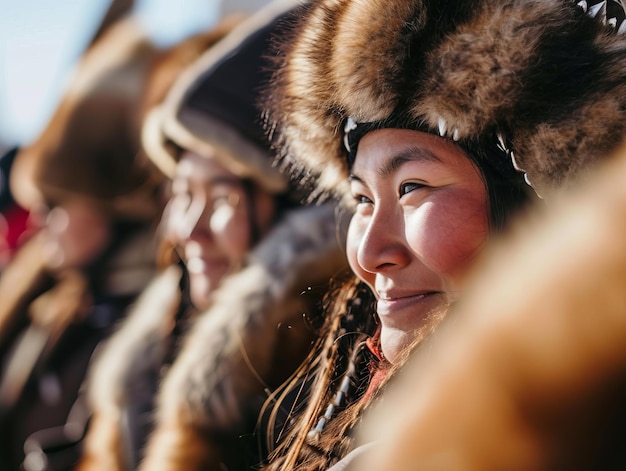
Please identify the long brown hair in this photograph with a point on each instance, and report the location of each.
(297, 408)
(334, 385)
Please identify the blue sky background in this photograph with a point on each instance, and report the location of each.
(40, 40)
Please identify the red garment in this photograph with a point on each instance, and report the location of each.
(379, 366)
(14, 230)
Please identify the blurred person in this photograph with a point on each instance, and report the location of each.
(94, 250)
(111, 442)
(437, 122)
(181, 385)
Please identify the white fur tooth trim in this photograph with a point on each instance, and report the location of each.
(583, 5)
(622, 28)
(530, 184)
(443, 127)
(514, 162)
(598, 9)
(501, 141)
(527, 180)
(612, 22)
(455, 134)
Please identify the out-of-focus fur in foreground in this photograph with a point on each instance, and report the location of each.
(529, 372)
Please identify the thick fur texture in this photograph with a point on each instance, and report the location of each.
(531, 376)
(125, 372)
(236, 349)
(547, 76)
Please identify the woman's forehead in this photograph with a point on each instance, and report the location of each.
(198, 168)
(385, 150)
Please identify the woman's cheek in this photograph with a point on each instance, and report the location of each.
(230, 227)
(356, 229)
(449, 238)
(222, 219)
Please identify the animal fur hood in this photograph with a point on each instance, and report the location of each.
(543, 80)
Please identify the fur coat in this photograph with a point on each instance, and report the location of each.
(254, 334)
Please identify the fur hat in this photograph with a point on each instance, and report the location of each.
(212, 109)
(172, 61)
(89, 147)
(543, 80)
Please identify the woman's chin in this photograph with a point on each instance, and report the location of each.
(394, 343)
(201, 290)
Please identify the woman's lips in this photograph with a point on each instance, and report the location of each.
(388, 305)
(200, 265)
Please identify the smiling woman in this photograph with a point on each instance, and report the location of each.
(455, 115)
(420, 220)
(208, 217)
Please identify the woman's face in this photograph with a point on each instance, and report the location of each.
(421, 218)
(208, 216)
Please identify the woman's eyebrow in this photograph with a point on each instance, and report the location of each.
(410, 154)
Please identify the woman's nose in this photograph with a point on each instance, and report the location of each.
(185, 221)
(382, 245)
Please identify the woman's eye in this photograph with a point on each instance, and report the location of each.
(409, 187)
(362, 199)
(225, 199)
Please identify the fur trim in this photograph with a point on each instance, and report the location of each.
(117, 390)
(163, 76)
(238, 344)
(548, 76)
(212, 107)
(141, 340)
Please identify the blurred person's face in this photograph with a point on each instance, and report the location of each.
(209, 218)
(420, 220)
(76, 233)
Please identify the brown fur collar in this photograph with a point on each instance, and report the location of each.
(546, 76)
